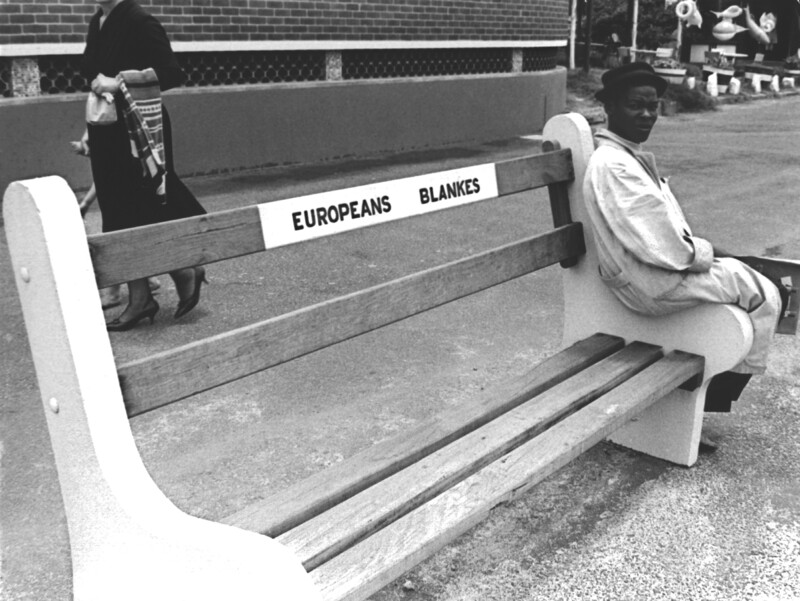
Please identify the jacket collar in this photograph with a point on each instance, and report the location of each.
(646, 159)
(605, 134)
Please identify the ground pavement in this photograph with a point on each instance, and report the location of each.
(612, 525)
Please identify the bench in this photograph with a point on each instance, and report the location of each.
(350, 529)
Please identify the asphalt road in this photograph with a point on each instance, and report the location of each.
(612, 525)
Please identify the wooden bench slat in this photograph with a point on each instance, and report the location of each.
(310, 497)
(172, 375)
(383, 557)
(559, 200)
(227, 234)
(327, 535)
(535, 171)
(164, 247)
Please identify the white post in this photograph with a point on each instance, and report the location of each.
(573, 32)
(669, 429)
(128, 541)
(634, 29)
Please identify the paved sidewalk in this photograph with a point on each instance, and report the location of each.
(612, 525)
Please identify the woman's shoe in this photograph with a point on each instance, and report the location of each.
(187, 304)
(707, 444)
(121, 326)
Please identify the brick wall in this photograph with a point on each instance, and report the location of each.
(64, 21)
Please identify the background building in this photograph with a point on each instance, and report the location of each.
(273, 82)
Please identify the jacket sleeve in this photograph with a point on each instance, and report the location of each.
(645, 222)
(155, 51)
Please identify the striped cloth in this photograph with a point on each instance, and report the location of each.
(141, 107)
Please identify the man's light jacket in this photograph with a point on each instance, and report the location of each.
(644, 243)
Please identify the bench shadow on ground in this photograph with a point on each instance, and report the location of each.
(555, 515)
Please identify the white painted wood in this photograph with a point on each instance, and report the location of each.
(634, 28)
(49, 49)
(128, 541)
(720, 333)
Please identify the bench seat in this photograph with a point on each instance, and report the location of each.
(288, 508)
(360, 524)
(363, 543)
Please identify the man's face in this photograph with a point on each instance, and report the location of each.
(633, 113)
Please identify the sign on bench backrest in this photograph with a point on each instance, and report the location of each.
(227, 234)
(327, 213)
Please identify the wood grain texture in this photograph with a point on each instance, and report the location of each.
(559, 204)
(559, 199)
(327, 535)
(381, 558)
(310, 497)
(154, 249)
(535, 171)
(559, 208)
(172, 375)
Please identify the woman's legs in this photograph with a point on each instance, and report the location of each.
(141, 305)
(184, 281)
(139, 296)
(187, 283)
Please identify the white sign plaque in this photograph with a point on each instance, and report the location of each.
(306, 217)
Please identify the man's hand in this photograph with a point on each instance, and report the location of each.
(103, 84)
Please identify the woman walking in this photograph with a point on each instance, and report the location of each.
(124, 42)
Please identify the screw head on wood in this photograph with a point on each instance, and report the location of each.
(54, 405)
(25, 274)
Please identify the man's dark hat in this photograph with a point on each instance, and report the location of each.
(629, 75)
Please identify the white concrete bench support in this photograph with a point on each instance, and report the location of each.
(128, 541)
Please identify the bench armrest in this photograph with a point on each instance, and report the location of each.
(720, 333)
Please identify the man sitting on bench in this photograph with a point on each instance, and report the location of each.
(648, 255)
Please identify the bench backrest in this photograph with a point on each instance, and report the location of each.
(187, 370)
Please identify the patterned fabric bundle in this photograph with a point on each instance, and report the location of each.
(141, 106)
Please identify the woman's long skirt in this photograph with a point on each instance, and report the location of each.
(125, 197)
